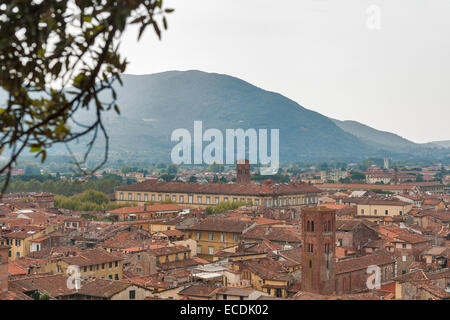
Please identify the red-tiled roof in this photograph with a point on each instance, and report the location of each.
(262, 189)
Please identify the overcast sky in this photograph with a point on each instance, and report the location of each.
(319, 53)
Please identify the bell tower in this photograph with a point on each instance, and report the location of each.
(243, 171)
(4, 250)
(318, 248)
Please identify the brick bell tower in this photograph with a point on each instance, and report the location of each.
(3, 268)
(318, 248)
(243, 171)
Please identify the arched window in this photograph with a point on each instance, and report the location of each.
(312, 226)
(308, 226)
(329, 226)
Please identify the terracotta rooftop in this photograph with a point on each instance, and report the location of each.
(363, 262)
(148, 208)
(199, 290)
(262, 189)
(91, 257)
(218, 224)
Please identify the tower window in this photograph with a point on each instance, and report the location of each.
(310, 263)
(312, 226)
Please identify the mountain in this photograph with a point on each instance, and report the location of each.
(383, 140)
(154, 105)
(374, 137)
(439, 144)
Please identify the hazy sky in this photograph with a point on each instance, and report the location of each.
(320, 53)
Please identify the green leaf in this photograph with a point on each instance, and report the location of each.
(35, 149)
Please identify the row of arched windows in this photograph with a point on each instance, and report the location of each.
(310, 226)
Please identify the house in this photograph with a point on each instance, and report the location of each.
(199, 291)
(282, 235)
(93, 263)
(214, 234)
(352, 274)
(101, 289)
(408, 248)
(375, 209)
(437, 257)
(353, 234)
(229, 293)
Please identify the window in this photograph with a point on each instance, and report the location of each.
(375, 211)
(404, 245)
(145, 197)
(159, 197)
(198, 235)
(110, 265)
(153, 197)
(235, 238)
(256, 202)
(312, 226)
(211, 236)
(138, 197)
(199, 249)
(400, 212)
(222, 237)
(110, 277)
(116, 264)
(190, 199)
(103, 266)
(217, 200)
(403, 258)
(208, 200)
(181, 199)
(167, 197)
(130, 196)
(225, 199)
(310, 263)
(174, 198)
(386, 212)
(224, 297)
(185, 255)
(121, 196)
(362, 211)
(116, 276)
(199, 200)
(211, 250)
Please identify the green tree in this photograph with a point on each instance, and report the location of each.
(57, 58)
(172, 169)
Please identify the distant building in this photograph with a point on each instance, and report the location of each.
(334, 175)
(192, 194)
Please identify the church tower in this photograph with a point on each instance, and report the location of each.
(243, 171)
(318, 248)
(4, 250)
